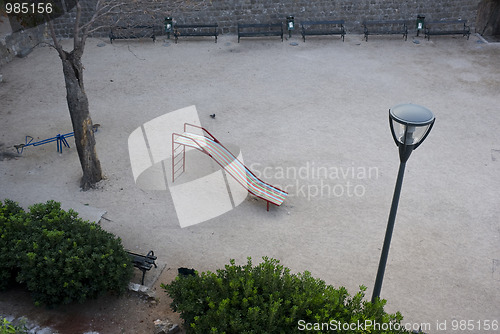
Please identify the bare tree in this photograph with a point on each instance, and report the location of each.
(105, 14)
(76, 97)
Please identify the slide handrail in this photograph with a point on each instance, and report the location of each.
(235, 158)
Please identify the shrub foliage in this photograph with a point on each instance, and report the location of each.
(6, 327)
(59, 257)
(267, 298)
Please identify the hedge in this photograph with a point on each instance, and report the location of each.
(58, 256)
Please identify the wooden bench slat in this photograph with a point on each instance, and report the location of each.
(465, 31)
(133, 31)
(208, 30)
(257, 25)
(143, 262)
(385, 22)
(324, 27)
(385, 27)
(195, 26)
(322, 22)
(257, 31)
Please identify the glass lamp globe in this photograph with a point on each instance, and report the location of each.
(410, 124)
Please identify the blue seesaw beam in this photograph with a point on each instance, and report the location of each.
(60, 139)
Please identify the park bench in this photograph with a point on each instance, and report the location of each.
(143, 262)
(260, 29)
(446, 27)
(196, 30)
(133, 31)
(385, 27)
(310, 28)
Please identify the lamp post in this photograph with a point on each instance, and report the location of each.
(410, 124)
(168, 26)
(420, 23)
(290, 24)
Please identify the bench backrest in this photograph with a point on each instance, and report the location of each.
(453, 26)
(385, 22)
(260, 25)
(149, 258)
(459, 21)
(331, 22)
(139, 26)
(213, 25)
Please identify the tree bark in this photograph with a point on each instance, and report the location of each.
(78, 106)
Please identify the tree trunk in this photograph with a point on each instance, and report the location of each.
(80, 118)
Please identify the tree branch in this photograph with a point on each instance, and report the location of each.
(76, 29)
(56, 45)
(102, 9)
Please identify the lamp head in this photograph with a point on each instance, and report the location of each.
(410, 124)
(290, 22)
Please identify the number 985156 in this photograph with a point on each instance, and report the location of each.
(28, 8)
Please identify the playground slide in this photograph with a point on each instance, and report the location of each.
(209, 145)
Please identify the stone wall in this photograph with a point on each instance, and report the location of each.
(488, 17)
(19, 43)
(228, 13)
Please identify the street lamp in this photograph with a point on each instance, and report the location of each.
(410, 124)
(290, 24)
(168, 26)
(420, 23)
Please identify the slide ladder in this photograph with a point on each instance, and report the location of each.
(209, 145)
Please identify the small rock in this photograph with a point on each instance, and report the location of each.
(24, 52)
(174, 329)
(101, 44)
(9, 318)
(416, 41)
(150, 295)
(162, 326)
(294, 44)
(138, 288)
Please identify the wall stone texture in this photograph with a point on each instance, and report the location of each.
(228, 13)
(20, 43)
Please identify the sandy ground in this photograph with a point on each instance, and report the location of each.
(291, 105)
(130, 313)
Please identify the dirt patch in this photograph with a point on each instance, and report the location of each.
(6, 154)
(130, 313)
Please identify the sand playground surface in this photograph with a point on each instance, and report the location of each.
(311, 117)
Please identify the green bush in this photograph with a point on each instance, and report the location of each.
(13, 230)
(60, 257)
(7, 328)
(267, 298)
